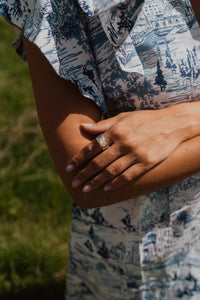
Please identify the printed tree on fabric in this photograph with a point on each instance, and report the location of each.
(160, 78)
(103, 251)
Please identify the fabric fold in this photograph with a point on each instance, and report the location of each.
(65, 46)
(118, 18)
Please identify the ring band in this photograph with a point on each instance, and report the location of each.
(102, 142)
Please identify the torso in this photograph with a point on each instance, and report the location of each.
(144, 248)
(154, 61)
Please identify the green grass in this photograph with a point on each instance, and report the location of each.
(35, 208)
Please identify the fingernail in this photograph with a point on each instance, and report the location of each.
(70, 168)
(87, 188)
(76, 183)
(87, 124)
(107, 188)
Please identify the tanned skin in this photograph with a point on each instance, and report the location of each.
(62, 110)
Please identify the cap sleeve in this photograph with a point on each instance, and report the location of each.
(57, 29)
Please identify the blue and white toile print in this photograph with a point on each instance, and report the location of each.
(126, 55)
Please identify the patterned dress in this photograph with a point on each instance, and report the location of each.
(126, 55)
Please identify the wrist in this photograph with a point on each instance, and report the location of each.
(183, 108)
(188, 126)
(188, 117)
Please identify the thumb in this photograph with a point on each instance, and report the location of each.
(99, 127)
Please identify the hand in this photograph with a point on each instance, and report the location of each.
(139, 118)
(136, 146)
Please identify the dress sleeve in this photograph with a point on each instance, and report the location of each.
(57, 29)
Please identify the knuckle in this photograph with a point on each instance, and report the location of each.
(126, 177)
(76, 160)
(127, 145)
(89, 150)
(116, 171)
(83, 175)
(116, 131)
(142, 155)
(85, 153)
(135, 171)
(108, 173)
(99, 163)
(96, 182)
(89, 170)
(138, 151)
(94, 165)
(148, 159)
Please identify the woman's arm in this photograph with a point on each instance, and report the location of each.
(62, 109)
(137, 142)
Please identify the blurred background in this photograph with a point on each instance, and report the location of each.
(35, 208)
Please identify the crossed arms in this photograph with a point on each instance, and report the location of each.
(62, 110)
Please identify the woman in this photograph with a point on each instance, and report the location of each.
(134, 176)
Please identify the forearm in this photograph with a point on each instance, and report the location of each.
(62, 109)
(175, 125)
(183, 163)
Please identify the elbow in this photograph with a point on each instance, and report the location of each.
(85, 204)
(90, 200)
(84, 201)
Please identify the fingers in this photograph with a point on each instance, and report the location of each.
(124, 178)
(116, 175)
(109, 173)
(96, 165)
(87, 153)
(100, 126)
